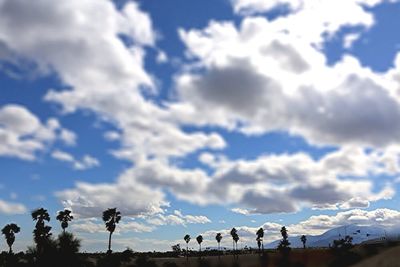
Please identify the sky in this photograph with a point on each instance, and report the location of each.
(199, 116)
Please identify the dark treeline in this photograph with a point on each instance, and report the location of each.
(63, 250)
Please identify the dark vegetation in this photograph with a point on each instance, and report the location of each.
(63, 250)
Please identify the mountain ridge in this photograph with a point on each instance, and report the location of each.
(358, 232)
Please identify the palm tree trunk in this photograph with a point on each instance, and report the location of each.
(187, 251)
(10, 251)
(109, 243)
(262, 245)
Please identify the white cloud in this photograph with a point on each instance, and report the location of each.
(177, 218)
(94, 226)
(11, 208)
(90, 200)
(270, 183)
(68, 137)
(258, 78)
(87, 162)
(349, 40)
(313, 20)
(112, 136)
(22, 134)
(162, 57)
(147, 223)
(103, 74)
(241, 211)
(314, 225)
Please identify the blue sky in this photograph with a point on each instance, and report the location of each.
(197, 116)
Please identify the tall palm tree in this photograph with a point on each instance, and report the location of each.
(9, 232)
(236, 239)
(40, 216)
(260, 238)
(233, 234)
(42, 231)
(303, 239)
(187, 240)
(199, 240)
(64, 216)
(111, 217)
(284, 244)
(218, 237)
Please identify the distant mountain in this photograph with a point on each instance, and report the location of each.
(359, 234)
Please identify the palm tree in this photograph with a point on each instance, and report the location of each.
(199, 240)
(42, 232)
(303, 239)
(236, 239)
(233, 234)
(64, 216)
(9, 232)
(218, 237)
(187, 239)
(111, 217)
(284, 244)
(40, 215)
(260, 238)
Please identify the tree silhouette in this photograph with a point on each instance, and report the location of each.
(64, 216)
(284, 244)
(218, 237)
(42, 232)
(199, 240)
(260, 237)
(284, 248)
(187, 240)
(233, 234)
(9, 232)
(68, 244)
(236, 239)
(303, 239)
(111, 217)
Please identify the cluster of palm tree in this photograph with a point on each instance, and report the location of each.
(218, 238)
(42, 231)
(111, 218)
(284, 244)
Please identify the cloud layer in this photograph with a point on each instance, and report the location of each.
(255, 77)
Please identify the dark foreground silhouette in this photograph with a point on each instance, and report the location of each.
(63, 250)
(65, 255)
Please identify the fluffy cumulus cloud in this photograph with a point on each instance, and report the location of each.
(314, 225)
(102, 68)
(286, 183)
(314, 19)
(10, 208)
(141, 224)
(22, 134)
(268, 184)
(90, 200)
(93, 226)
(86, 162)
(177, 218)
(260, 78)
(102, 73)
